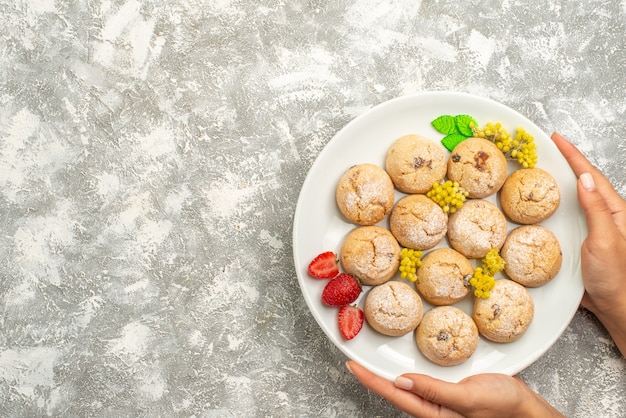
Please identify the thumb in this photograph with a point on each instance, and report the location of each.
(597, 212)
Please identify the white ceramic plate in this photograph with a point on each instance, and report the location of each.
(319, 226)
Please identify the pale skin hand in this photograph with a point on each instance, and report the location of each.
(603, 261)
(603, 253)
(483, 395)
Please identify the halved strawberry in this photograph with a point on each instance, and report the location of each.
(350, 321)
(342, 290)
(324, 266)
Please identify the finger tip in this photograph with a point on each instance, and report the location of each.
(556, 136)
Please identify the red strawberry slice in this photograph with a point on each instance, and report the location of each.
(324, 266)
(350, 321)
(342, 290)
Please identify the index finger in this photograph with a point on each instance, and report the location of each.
(580, 164)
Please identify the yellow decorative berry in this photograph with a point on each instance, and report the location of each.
(410, 260)
(526, 153)
(521, 148)
(483, 279)
(449, 195)
(492, 262)
(482, 283)
(496, 134)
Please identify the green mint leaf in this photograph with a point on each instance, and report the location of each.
(452, 140)
(464, 124)
(444, 124)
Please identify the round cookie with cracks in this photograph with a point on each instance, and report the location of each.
(506, 315)
(414, 163)
(393, 309)
(447, 336)
(371, 254)
(417, 222)
(530, 196)
(476, 228)
(365, 194)
(443, 277)
(478, 166)
(532, 255)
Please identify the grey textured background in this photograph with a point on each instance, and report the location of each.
(151, 156)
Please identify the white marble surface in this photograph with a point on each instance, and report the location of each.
(151, 156)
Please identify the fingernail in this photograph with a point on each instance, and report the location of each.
(348, 367)
(404, 383)
(587, 181)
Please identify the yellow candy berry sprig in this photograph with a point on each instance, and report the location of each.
(482, 283)
(449, 195)
(483, 279)
(492, 262)
(524, 149)
(410, 261)
(495, 133)
(521, 148)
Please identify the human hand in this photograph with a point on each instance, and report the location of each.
(483, 395)
(603, 253)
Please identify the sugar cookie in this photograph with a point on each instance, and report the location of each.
(365, 194)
